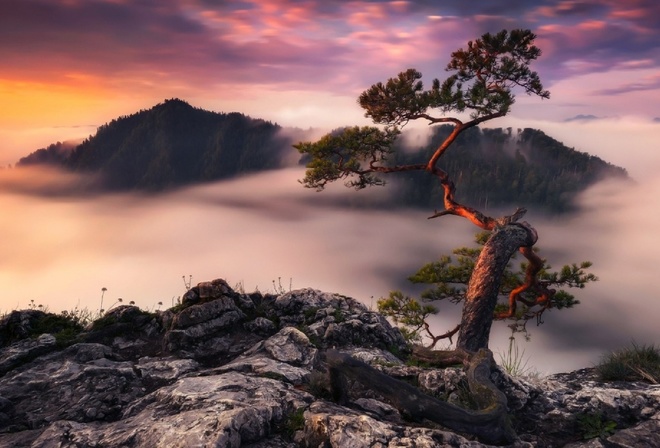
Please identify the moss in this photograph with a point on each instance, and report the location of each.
(130, 315)
(339, 316)
(180, 307)
(53, 323)
(276, 320)
(126, 322)
(294, 422)
(396, 351)
(467, 398)
(63, 327)
(104, 322)
(66, 337)
(310, 314)
(594, 425)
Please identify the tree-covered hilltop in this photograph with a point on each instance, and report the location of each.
(497, 167)
(173, 144)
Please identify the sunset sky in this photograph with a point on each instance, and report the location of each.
(69, 66)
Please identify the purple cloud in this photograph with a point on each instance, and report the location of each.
(332, 45)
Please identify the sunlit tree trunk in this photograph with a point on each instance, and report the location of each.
(483, 288)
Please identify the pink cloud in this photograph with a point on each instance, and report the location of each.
(567, 8)
(365, 16)
(642, 13)
(646, 83)
(194, 45)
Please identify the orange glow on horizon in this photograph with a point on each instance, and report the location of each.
(29, 103)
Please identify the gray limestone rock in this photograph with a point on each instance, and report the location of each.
(261, 326)
(227, 410)
(23, 351)
(236, 370)
(79, 383)
(288, 355)
(164, 370)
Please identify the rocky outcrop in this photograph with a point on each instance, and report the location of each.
(225, 369)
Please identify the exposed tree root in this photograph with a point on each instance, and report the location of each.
(490, 424)
(440, 358)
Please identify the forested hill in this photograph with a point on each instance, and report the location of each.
(174, 144)
(169, 145)
(496, 167)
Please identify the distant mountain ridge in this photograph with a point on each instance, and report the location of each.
(175, 144)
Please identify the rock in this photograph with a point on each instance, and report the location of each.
(379, 410)
(208, 331)
(79, 383)
(338, 321)
(157, 372)
(566, 408)
(228, 410)
(248, 370)
(261, 326)
(206, 291)
(19, 325)
(25, 350)
(644, 434)
(288, 355)
(130, 331)
(374, 356)
(292, 346)
(328, 424)
(441, 383)
(517, 392)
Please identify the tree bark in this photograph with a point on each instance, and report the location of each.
(490, 424)
(483, 288)
(440, 358)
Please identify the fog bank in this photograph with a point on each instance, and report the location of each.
(60, 251)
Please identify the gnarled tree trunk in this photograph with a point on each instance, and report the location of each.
(483, 288)
(490, 424)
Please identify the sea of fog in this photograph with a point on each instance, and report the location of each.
(266, 231)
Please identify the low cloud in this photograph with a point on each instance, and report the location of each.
(582, 117)
(40, 180)
(626, 141)
(263, 228)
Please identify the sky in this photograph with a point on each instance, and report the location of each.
(72, 65)
(69, 66)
